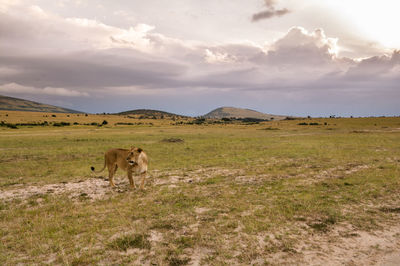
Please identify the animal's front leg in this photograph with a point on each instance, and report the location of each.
(131, 181)
(143, 176)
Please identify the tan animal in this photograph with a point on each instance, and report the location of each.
(133, 160)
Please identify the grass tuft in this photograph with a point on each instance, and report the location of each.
(130, 241)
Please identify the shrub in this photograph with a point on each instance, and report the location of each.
(12, 126)
(61, 124)
(252, 120)
(3, 124)
(199, 121)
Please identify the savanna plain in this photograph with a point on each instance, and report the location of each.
(304, 191)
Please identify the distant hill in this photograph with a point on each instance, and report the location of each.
(232, 112)
(149, 113)
(16, 104)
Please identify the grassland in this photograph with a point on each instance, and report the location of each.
(267, 193)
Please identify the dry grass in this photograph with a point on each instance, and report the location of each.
(227, 194)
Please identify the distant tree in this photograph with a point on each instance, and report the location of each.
(104, 122)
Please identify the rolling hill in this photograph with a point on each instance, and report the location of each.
(16, 104)
(233, 112)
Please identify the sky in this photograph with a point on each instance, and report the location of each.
(285, 57)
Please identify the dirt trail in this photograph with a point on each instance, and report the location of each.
(93, 188)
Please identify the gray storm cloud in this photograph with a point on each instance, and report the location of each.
(139, 67)
(270, 12)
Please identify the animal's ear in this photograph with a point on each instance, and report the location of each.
(139, 150)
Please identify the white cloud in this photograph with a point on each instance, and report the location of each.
(19, 89)
(301, 46)
(217, 57)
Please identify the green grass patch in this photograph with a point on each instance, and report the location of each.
(130, 241)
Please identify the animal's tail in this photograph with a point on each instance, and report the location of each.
(98, 172)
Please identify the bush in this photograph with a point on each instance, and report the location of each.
(124, 124)
(252, 120)
(13, 126)
(104, 122)
(61, 124)
(199, 121)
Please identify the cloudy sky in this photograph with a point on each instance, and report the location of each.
(293, 57)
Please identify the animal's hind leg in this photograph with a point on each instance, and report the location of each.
(111, 172)
(131, 181)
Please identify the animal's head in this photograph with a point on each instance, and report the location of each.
(133, 155)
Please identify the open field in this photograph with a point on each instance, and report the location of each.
(269, 193)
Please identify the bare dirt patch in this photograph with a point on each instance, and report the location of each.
(334, 172)
(92, 188)
(344, 246)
